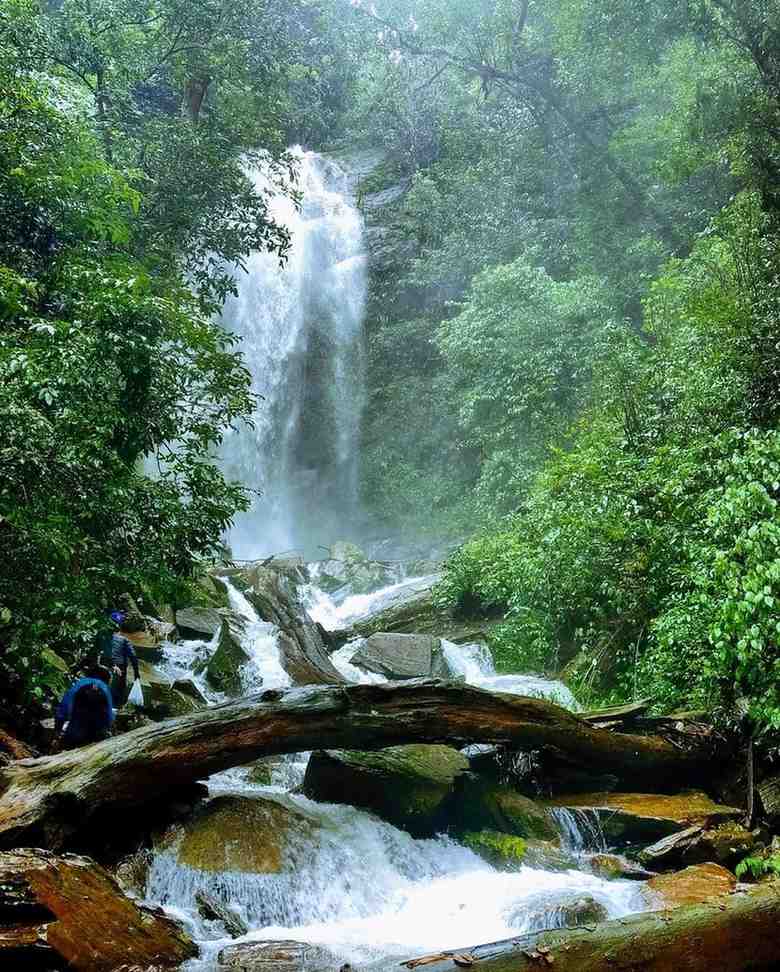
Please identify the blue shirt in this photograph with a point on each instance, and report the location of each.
(65, 708)
(123, 653)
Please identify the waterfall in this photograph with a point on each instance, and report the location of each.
(300, 326)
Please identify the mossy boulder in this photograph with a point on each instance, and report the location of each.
(223, 671)
(501, 850)
(414, 610)
(199, 623)
(409, 786)
(237, 833)
(482, 804)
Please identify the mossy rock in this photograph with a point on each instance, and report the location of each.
(485, 805)
(223, 671)
(409, 786)
(501, 850)
(237, 833)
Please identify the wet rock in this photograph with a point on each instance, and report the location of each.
(131, 872)
(67, 910)
(409, 786)
(188, 687)
(507, 852)
(278, 956)
(556, 911)
(162, 699)
(237, 833)
(503, 851)
(725, 844)
(693, 885)
(276, 599)
(223, 671)
(481, 804)
(631, 818)
(613, 867)
(198, 622)
(412, 610)
(210, 908)
(402, 656)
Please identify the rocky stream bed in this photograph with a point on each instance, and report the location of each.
(307, 855)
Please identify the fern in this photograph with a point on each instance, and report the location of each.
(758, 867)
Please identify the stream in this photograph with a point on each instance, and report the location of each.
(338, 877)
(350, 882)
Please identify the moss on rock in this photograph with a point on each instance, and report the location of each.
(500, 850)
(410, 786)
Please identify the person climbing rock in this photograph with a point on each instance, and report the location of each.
(121, 653)
(85, 713)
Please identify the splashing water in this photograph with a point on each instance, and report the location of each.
(367, 891)
(261, 642)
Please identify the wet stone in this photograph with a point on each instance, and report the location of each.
(277, 956)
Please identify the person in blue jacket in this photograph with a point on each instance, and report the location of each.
(85, 713)
(119, 656)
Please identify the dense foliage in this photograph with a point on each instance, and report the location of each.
(580, 331)
(124, 136)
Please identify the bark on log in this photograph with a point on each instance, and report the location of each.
(51, 798)
(733, 934)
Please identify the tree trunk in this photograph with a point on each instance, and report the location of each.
(52, 798)
(732, 934)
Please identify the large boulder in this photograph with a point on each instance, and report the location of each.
(412, 609)
(508, 853)
(694, 885)
(410, 786)
(65, 910)
(223, 671)
(277, 956)
(400, 656)
(482, 804)
(637, 818)
(236, 833)
(200, 623)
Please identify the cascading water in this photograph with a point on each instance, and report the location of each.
(300, 328)
(342, 879)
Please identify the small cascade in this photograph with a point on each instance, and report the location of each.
(474, 664)
(261, 642)
(581, 830)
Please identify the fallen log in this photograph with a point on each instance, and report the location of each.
(731, 934)
(49, 799)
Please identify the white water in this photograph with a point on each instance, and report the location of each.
(300, 328)
(349, 881)
(354, 884)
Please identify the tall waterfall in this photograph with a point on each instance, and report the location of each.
(300, 326)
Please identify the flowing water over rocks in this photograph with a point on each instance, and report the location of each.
(342, 879)
(301, 335)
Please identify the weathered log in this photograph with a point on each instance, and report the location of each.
(731, 934)
(51, 798)
(66, 910)
(617, 715)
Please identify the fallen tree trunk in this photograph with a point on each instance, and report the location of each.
(731, 934)
(52, 798)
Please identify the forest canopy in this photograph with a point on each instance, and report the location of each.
(573, 345)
